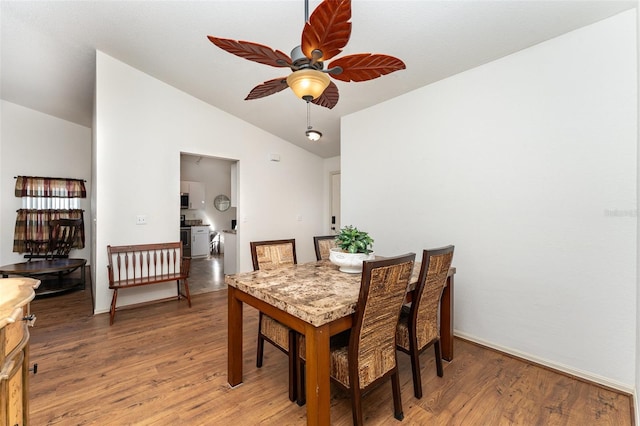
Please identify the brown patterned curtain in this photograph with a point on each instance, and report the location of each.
(30, 186)
(32, 229)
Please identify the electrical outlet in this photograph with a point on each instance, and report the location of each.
(141, 219)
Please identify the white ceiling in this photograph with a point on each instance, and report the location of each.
(48, 50)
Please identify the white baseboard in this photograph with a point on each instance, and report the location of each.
(555, 366)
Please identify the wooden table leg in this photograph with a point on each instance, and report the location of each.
(446, 320)
(234, 336)
(317, 375)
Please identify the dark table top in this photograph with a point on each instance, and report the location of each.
(42, 266)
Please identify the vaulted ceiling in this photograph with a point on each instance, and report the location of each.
(48, 50)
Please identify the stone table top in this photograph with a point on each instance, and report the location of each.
(315, 292)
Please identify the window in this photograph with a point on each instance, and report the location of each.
(45, 199)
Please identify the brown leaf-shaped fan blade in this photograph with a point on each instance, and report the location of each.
(365, 66)
(329, 97)
(267, 88)
(328, 29)
(252, 51)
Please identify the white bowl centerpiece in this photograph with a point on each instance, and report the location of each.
(353, 247)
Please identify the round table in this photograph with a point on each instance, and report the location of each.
(42, 268)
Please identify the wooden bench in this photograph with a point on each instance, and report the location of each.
(145, 264)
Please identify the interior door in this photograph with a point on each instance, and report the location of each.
(335, 202)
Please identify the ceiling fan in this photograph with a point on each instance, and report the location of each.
(324, 35)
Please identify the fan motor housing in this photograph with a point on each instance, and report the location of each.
(299, 61)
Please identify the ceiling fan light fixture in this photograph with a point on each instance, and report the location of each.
(308, 84)
(313, 135)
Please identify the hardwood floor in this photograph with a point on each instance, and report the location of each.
(206, 274)
(165, 364)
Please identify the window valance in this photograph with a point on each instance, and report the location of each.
(32, 186)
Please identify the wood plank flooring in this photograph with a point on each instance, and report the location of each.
(165, 364)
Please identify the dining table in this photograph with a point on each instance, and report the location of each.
(318, 301)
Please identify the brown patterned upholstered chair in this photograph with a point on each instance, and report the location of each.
(323, 245)
(419, 325)
(365, 355)
(267, 255)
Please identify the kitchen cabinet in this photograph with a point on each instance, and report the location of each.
(14, 353)
(195, 191)
(199, 241)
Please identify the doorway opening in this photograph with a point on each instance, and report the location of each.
(208, 218)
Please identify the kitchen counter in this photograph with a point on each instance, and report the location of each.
(230, 252)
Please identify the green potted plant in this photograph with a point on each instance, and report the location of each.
(352, 248)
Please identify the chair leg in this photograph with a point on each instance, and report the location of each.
(356, 405)
(300, 382)
(438, 351)
(260, 345)
(415, 369)
(260, 351)
(397, 397)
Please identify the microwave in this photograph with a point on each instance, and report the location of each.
(184, 201)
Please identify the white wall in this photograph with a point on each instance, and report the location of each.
(528, 165)
(142, 125)
(37, 144)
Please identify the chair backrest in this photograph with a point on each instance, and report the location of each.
(372, 345)
(323, 245)
(63, 234)
(426, 303)
(273, 254)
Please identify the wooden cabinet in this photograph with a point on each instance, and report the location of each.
(15, 295)
(195, 191)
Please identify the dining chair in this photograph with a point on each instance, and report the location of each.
(419, 324)
(323, 245)
(268, 255)
(365, 355)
